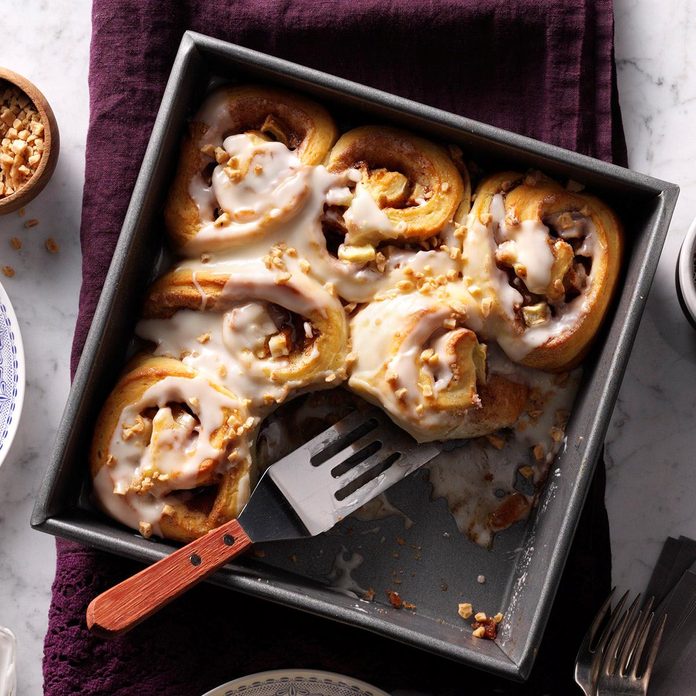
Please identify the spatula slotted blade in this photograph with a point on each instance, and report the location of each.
(332, 475)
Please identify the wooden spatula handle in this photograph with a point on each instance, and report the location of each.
(123, 606)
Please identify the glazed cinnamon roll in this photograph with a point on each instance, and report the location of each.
(550, 258)
(170, 455)
(417, 359)
(264, 334)
(240, 170)
(408, 188)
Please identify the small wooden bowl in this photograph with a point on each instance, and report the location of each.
(47, 165)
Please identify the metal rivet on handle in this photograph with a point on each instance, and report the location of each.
(195, 559)
(228, 539)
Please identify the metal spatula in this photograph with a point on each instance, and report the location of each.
(305, 493)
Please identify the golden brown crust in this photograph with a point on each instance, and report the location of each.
(536, 197)
(325, 354)
(398, 168)
(218, 501)
(302, 124)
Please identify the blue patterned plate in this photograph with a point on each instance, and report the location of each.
(296, 682)
(11, 374)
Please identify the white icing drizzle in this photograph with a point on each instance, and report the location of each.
(168, 455)
(201, 292)
(365, 220)
(261, 184)
(530, 243)
(475, 478)
(388, 341)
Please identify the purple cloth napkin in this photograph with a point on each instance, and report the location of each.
(543, 68)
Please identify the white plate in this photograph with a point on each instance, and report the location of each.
(11, 374)
(296, 682)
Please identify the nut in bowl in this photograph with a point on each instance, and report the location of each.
(29, 141)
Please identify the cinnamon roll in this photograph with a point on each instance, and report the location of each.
(548, 259)
(240, 167)
(170, 455)
(416, 358)
(265, 334)
(408, 187)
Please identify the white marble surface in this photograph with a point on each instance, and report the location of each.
(651, 439)
(51, 48)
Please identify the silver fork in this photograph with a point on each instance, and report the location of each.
(625, 671)
(591, 652)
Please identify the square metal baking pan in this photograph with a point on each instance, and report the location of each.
(524, 566)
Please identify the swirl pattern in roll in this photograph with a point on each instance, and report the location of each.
(259, 337)
(417, 359)
(548, 259)
(171, 455)
(240, 131)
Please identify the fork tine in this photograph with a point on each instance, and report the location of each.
(611, 625)
(585, 646)
(654, 648)
(632, 631)
(618, 639)
(599, 618)
(612, 649)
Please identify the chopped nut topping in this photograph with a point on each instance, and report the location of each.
(356, 254)
(203, 338)
(496, 440)
(479, 632)
(557, 434)
(145, 529)
(480, 616)
(465, 610)
(278, 345)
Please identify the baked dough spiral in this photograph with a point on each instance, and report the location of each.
(205, 208)
(265, 334)
(417, 360)
(409, 188)
(170, 454)
(550, 258)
